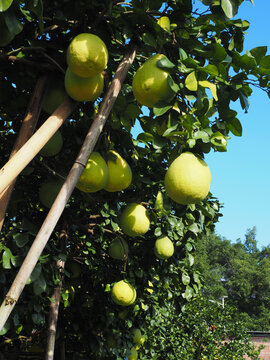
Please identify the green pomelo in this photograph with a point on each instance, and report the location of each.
(54, 97)
(53, 146)
(123, 293)
(188, 179)
(48, 192)
(150, 83)
(133, 354)
(164, 247)
(95, 175)
(87, 55)
(134, 220)
(138, 338)
(120, 174)
(83, 89)
(118, 249)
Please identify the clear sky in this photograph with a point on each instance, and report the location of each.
(241, 176)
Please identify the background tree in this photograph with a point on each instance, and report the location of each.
(240, 271)
(203, 48)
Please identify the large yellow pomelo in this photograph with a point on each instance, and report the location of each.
(118, 249)
(95, 175)
(164, 247)
(123, 293)
(188, 179)
(133, 354)
(87, 55)
(54, 96)
(48, 192)
(83, 89)
(134, 220)
(53, 146)
(120, 174)
(150, 83)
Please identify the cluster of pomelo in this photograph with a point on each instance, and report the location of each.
(87, 57)
(112, 175)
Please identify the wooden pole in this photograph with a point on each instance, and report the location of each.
(54, 306)
(26, 130)
(31, 148)
(66, 190)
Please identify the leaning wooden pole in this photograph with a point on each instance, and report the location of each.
(31, 148)
(66, 190)
(28, 127)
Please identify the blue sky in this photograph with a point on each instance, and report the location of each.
(241, 176)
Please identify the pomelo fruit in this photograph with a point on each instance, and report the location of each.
(138, 338)
(118, 249)
(83, 89)
(87, 55)
(188, 179)
(120, 174)
(54, 96)
(48, 192)
(133, 354)
(123, 293)
(134, 220)
(95, 175)
(164, 247)
(53, 146)
(150, 83)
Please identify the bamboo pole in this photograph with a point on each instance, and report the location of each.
(26, 130)
(54, 306)
(66, 190)
(31, 148)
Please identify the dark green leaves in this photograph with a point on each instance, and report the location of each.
(10, 26)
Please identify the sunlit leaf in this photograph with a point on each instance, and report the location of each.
(211, 86)
(191, 82)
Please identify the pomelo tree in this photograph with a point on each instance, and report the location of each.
(205, 71)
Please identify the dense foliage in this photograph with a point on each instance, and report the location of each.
(224, 265)
(208, 72)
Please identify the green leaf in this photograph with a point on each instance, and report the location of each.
(5, 4)
(191, 82)
(161, 108)
(149, 40)
(258, 53)
(182, 54)
(265, 62)
(39, 285)
(13, 24)
(212, 87)
(229, 7)
(165, 63)
(21, 239)
(185, 278)
(235, 126)
(210, 69)
(6, 258)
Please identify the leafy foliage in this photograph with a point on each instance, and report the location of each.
(224, 265)
(207, 73)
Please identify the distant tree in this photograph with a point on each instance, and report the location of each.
(239, 271)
